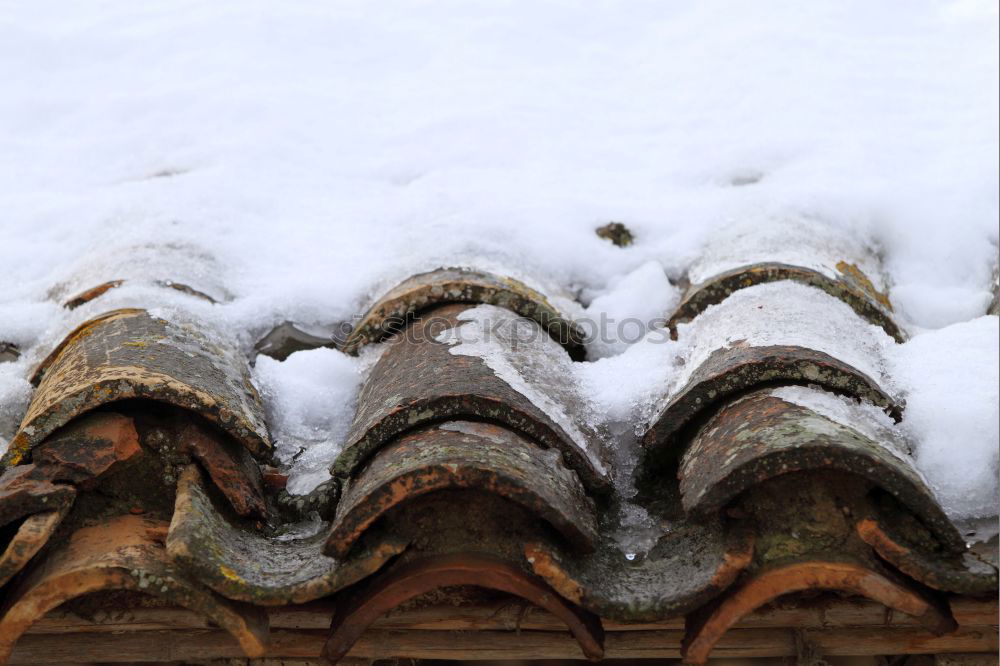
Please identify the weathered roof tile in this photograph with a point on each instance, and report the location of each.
(425, 291)
(687, 567)
(419, 380)
(128, 354)
(125, 553)
(420, 576)
(760, 436)
(471, 455)
(473, 462)
(239, 562)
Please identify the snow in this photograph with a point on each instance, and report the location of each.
(938, 307)
(623, 393)
(310, 398)
(952, 380)
(622, 314)
(293, 161)
(797, 240)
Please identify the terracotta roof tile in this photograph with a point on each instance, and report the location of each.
(418, 381)
(421, 293)
(760, 437)
(143, 464)
(125, 553)
(130, 354)
(466, 455)
(748, 255)
(687, 567)
(240, 562)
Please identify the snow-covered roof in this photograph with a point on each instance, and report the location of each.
(305, 298)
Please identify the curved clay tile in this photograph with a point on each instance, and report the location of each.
(777, 333)
(186, 289)
(131, 354)
(240, 563)
(125, 553)
(24, 490)
(286, 338)
(87, 449)
(230, 466)
(91, 446)
(512, 374)
(41, 493)
(762, 436)
(88, 295)
(418, 577)
(794, 248)
(184, 266)
(806, 540)
(732, 371)
(467, 455)
(443, 286)
(845, 577)
(689, 566)
(33, 533)
(847, 283)
(906, 545)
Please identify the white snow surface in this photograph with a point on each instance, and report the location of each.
(627, 309)
(293, 160)
(310, 398)
(952, 384)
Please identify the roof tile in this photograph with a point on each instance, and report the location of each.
(760, 436)
(418, 381)
(474, 460)
(239, 562)
(130, 354)
(125, 553)
(444, 286)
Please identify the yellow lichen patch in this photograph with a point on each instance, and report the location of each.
(230, 574)
(524, 291)
(15, 454)
(855, 273)
(141, 344)
(82, 331)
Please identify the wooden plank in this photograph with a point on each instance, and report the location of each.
(201, 644)
(508, 616)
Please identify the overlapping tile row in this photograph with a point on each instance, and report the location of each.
(779, 433)
(470, 468)
(775, 433)
(466, 441)
(240, 561)
(145, 439)
(89, 480)
(505, 373)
